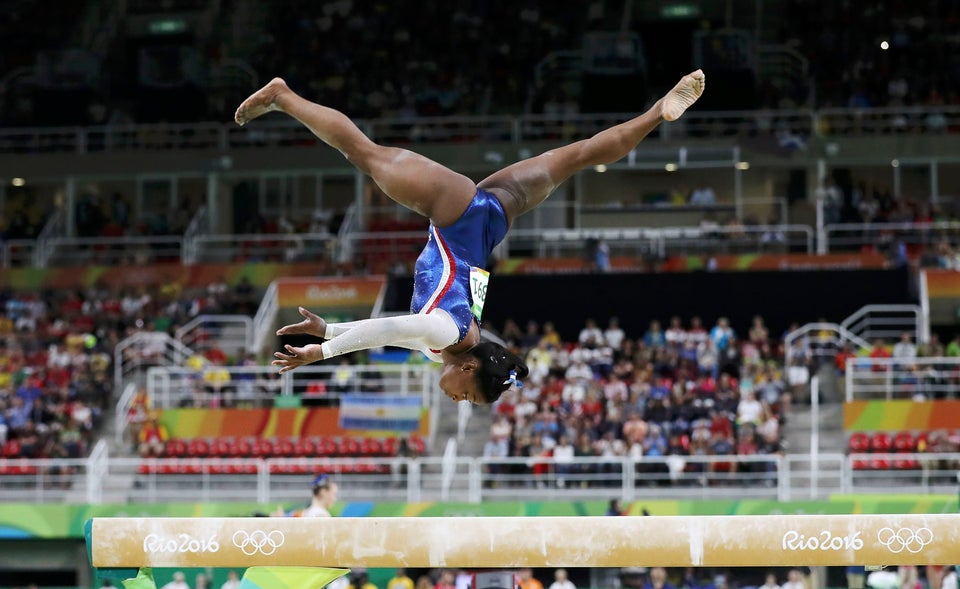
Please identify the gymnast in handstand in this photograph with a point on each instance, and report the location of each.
(467, 221)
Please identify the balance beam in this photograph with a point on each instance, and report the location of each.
(495, 542)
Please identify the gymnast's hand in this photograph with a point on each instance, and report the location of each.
(296, 357)
(311, 325)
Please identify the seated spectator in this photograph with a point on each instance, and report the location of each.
(153, 438)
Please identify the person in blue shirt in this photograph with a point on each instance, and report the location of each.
(467, 220)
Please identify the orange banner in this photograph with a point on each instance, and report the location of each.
(267, 423)
(943, 284)
(329, 293)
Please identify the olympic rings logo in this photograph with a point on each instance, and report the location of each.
(913, 541)
(265, 543)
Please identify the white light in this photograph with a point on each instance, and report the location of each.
(18, 182)
(670, 167)
(884, 45)
(600, 168)
(743, 165)
(895, 163)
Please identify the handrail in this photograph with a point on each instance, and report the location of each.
(225, 136)
(845, 336)
(861, 320)
(267, 480)
(264, 319)
(121, 414)
(198, 323)
(865, 376)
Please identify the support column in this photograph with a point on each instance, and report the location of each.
(934, 181)
(70, 206)
(213, 196)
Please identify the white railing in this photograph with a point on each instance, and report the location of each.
(98, 465)
(121, 416)
(231, 333)
(819, 340)
(111, 251)
(225, 136)
(18, 252)
(475, 479)
(887, 322)
(901, 378)
(881, 236)
(145, 349)
(171, 387)
(264, 320)
(256, 247)
(666, 241)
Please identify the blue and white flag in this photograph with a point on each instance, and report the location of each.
(380, 412)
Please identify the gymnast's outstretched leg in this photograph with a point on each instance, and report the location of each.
(410, 179)
(524, 185)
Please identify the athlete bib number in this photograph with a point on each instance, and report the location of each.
(478, 290)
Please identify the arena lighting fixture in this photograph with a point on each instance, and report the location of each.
(884, 45)
(18, 182)
(743, 165)
(895, 163)
(601, 168)
(670, 167)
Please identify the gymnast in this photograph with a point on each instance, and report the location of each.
(467, 221)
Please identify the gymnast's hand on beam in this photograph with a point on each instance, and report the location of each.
(296, 357)
(311, 325)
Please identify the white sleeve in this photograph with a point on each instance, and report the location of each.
(435, 330)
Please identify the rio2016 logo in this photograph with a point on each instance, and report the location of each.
(913, 541)
(154, 544)
(825, 540)
(265, 543)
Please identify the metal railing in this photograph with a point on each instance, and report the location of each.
(231, 333)
(18, 252)
(171, 387)
(475, 479)
(111, 251)
(821, 340)
(225, 136)
(668, 241)
(121, 416)
(888, 322)
(881, 236)
(263, 321)
(143, 350)
(901, 378)
(256, 247)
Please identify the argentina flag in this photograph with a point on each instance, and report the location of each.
(380, 412)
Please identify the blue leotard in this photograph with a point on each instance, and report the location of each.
(442, 273)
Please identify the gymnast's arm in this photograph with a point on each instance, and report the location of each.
(435, 330)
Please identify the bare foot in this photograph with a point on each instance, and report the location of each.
(683, 95)
(260, 102)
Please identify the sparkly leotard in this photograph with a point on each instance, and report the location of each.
(442, 273)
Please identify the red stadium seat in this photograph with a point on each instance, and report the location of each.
(881, 442)
(284, 447)
(904, 442)
(349, 447)
(371, 447)
(861, 465)
(391, 446)
(220, 447)
(327, 447)
(305, 447)
(175, 448)
(241, 448)
(417, 445)
(198, 448)
(879, 464)
(11, 449)
(263, 448)
(859, 442)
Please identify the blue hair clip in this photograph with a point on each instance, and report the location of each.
(321, 481)
(513, 380)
